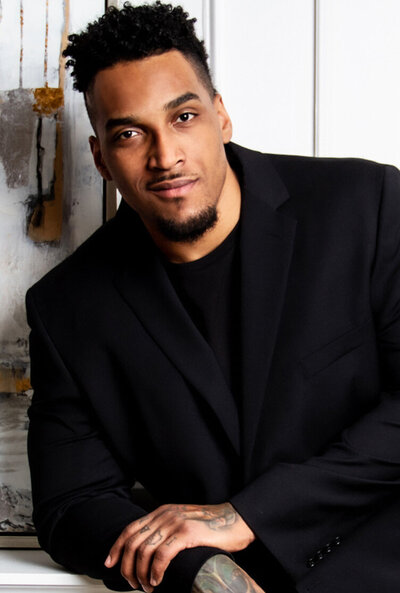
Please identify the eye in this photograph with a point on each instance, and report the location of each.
(185, 117)
(127, 134)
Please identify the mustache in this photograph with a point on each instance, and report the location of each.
(169, 177)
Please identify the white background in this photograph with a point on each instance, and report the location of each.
(313, 77)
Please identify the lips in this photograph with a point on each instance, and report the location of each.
(174, 188)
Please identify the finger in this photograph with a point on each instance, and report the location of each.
(115, 552)
(163, 556)
(144, 556)
(139, 526)
(138, 550)
(128, 563)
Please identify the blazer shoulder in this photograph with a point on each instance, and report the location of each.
(346, 174)
(316, 177)
(93, 257)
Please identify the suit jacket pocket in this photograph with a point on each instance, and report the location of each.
(323, 357)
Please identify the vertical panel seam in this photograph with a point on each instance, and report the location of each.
(109, 189)
(316, 80)
(209, 13)
(206, 18)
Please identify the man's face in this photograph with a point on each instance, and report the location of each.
(160, 137)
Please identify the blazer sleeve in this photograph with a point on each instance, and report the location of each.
(82, 498)
(332, 520)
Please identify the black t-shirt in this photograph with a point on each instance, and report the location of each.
(209, 290)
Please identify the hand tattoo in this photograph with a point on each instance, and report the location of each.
(221, 575)
(144, 529)
(154, 539)
(172, 539)
(224, 517)
(217, 517)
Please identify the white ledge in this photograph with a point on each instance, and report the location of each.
(33, 570)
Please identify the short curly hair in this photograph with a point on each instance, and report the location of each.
(131, 33)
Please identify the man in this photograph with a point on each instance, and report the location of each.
(230, 340)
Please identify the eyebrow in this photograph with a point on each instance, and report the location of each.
(121, 121)
(180, 100)
(132, 121)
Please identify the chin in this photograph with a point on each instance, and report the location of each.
(191, 229)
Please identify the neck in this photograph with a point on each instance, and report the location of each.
(228, 216)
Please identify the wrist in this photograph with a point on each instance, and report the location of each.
(220, 574)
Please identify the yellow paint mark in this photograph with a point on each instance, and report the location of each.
(48, 100)
(22, 385)
(13, 380)
(48, 215)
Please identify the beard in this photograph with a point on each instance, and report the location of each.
(190, 230)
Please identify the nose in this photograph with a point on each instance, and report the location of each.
(165, 153)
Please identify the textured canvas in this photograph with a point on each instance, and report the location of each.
(50, 201)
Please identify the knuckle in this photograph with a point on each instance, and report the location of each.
(128, 529)
(185, 529)
(160, 556)
(125, 573)
(130, 544)
(169, 515)
(141, 553)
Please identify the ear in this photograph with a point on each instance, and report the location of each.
(224, 119)
(98, 158)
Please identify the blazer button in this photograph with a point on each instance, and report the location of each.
(310, 563)
(319, 554)
(337, 541)
(327, 549)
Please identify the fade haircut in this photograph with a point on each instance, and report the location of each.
(133, 33)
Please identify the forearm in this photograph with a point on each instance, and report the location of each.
(150, 543)
(221, 574)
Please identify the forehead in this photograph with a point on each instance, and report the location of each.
(142, 86)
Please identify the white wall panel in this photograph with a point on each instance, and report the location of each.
(34, 36)
(359, 79)
(263, 55)
(195, 8)
(10, 46)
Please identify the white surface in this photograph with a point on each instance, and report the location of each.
(31, 570)
(10, 46)
(359, 79)
(264, 69)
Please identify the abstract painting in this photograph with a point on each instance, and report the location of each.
(50, 201)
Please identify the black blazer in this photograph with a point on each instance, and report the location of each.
(126, 388)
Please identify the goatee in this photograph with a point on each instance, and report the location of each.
(190, 230)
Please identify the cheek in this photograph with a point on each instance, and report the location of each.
(125, 172)
(129, 182)
(218, 164)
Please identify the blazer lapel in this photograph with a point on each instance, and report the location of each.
(145, 286)
(267, 240)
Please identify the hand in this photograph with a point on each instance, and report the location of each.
(148, 545)
(221, 575)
